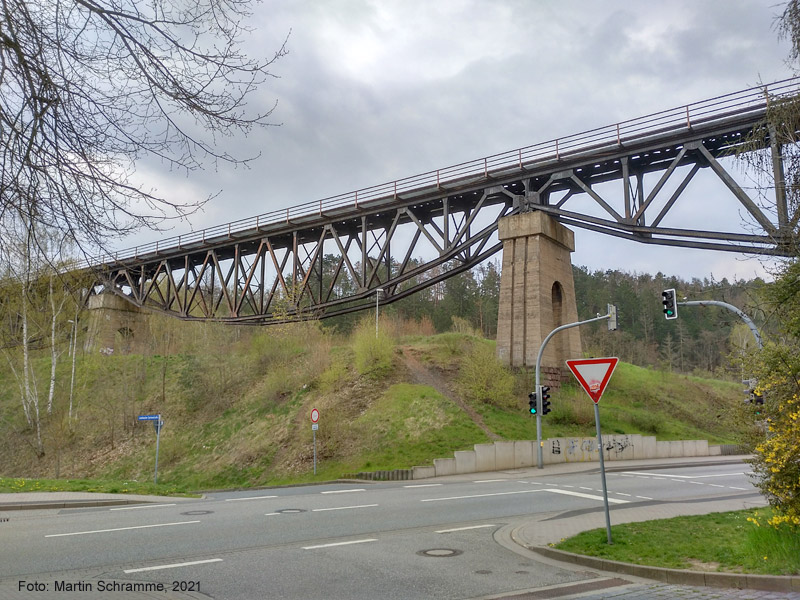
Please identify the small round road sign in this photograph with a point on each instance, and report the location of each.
(314, 415)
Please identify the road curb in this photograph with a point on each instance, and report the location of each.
(67, 504)
(773, 583)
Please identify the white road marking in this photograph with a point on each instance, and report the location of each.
(343, 507)
(340, 544)
(120, 529)
(481, 495)
(421, 485)
(249, 498)
(697, 482)
(643, 498)
(489, 480)
(344, 491)
(145, 506)
(693, 476)
(737, 488)
(174, 565)
(465, 528)
(568, 486)
(589, 496)
(621, 494)
(715, 485)
(585, 488)
(271, 514)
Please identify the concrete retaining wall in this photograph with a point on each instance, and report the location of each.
(520, 454)
(501, 456)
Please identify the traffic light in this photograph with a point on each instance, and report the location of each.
(612, 317)
(545, 399)
(670, 305)
(532, 403)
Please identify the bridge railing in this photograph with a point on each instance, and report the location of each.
(741, 103)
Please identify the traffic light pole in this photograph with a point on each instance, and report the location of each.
(748, 321)
(611, 313)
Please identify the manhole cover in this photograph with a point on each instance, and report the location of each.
(440, 552)
(197, 512)
(290, 510)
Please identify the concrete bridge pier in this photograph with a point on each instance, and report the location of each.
(115, 325)
(537, 293)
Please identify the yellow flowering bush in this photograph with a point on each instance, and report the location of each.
(776, 455)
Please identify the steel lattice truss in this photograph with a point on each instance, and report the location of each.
(339, 254)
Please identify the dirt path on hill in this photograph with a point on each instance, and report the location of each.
(423, 375)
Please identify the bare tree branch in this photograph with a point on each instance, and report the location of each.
(89, 87)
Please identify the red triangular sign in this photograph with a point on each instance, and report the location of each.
(593, 374)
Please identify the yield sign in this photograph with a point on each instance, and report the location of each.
(593, 374)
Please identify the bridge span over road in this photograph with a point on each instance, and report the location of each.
(386, 242)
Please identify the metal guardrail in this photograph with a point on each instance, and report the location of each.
(682, 118)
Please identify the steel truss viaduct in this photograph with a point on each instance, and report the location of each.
(332, 256)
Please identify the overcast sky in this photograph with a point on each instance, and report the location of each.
(375, 90)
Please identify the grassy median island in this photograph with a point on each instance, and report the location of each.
(730, 542)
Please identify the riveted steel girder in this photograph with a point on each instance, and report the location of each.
(332, 256)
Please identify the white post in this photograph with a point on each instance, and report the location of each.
(378, 293)
(73, 346)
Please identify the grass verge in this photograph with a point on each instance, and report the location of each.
(727, 542)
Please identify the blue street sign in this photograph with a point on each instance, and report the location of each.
(149, 417)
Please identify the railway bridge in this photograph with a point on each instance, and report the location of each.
(383, 243)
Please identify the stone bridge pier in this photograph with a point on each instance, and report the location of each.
(537, 294)
(115, 325)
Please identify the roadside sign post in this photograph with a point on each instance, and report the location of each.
(593, 374)
(314, 427)
(158, 423)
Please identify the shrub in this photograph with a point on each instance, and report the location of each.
(373, 354)
(483, 379)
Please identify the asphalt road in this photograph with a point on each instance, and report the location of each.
(384, 540)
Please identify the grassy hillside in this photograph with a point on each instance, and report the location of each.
(237, 405)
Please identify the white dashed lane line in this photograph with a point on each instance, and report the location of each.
(466, 528)
(174, 565)
(423, 485)
(582, 495)
(340, 544)
(344, 491)
(342, 507)
(481, 495)
(52, 535)
(249, 498)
